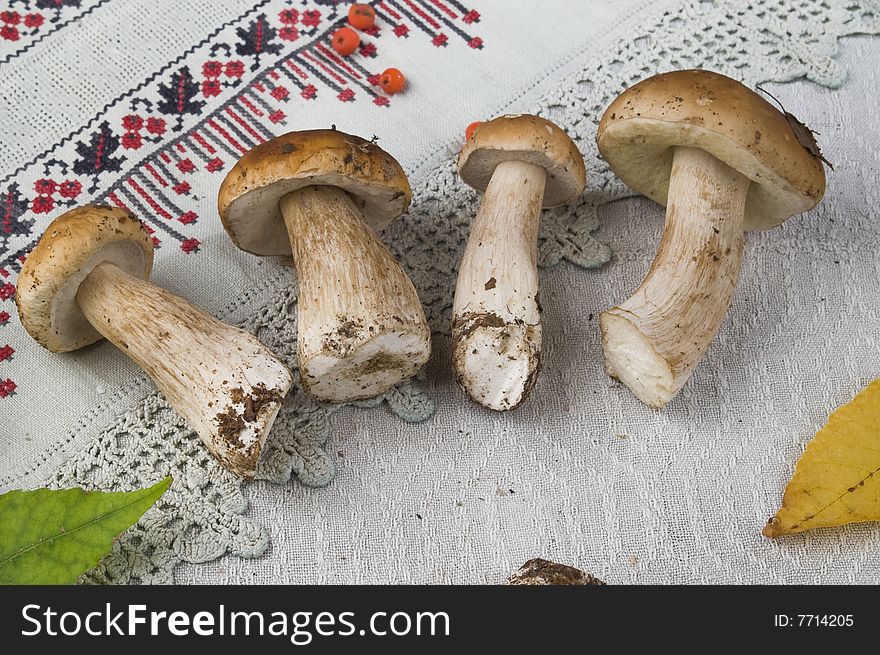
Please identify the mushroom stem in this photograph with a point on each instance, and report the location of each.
(654, 340)
(361, 325)
(496, 324)
(222, 380)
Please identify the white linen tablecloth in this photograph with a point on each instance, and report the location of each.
(582, 473)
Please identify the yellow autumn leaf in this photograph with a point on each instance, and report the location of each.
(836, 479)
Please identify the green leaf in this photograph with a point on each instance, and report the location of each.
(50, 536)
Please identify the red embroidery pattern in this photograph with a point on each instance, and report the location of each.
(231, 114)
(7, 388)
(23, 23)
(148, 150)
(7, 291)
(14, 25)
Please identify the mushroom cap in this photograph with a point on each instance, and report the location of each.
(74, 244)
(699, 109)
(526, 138)
(248, 198)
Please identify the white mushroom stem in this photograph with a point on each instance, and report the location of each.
(361, 327)
(222, 380)
(654, 340)
(496, 324)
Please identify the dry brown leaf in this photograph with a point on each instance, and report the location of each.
(805, 136)
(539, 571)
(836, 479)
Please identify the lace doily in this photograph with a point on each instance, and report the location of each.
(203, 515)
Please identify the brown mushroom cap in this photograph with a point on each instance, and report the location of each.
(248, 198)
(525, 138)
(699, 109)
(72, 245)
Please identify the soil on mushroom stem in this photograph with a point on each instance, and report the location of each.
(339, 342)
(381, 362)
(467, 323)
(349, 329)
(231, 423)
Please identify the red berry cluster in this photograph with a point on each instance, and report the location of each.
(46, 190)
(12, 21)
(346, 40)
(134, 124)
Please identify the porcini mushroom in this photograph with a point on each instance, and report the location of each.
(321, 195)
(522, 163)
(722, 160)
(88, 279)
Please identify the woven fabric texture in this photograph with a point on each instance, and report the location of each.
(582, 473)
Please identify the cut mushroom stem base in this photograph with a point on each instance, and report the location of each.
(496, 327)
(654, 340)
(361, 327)
(222, 380)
